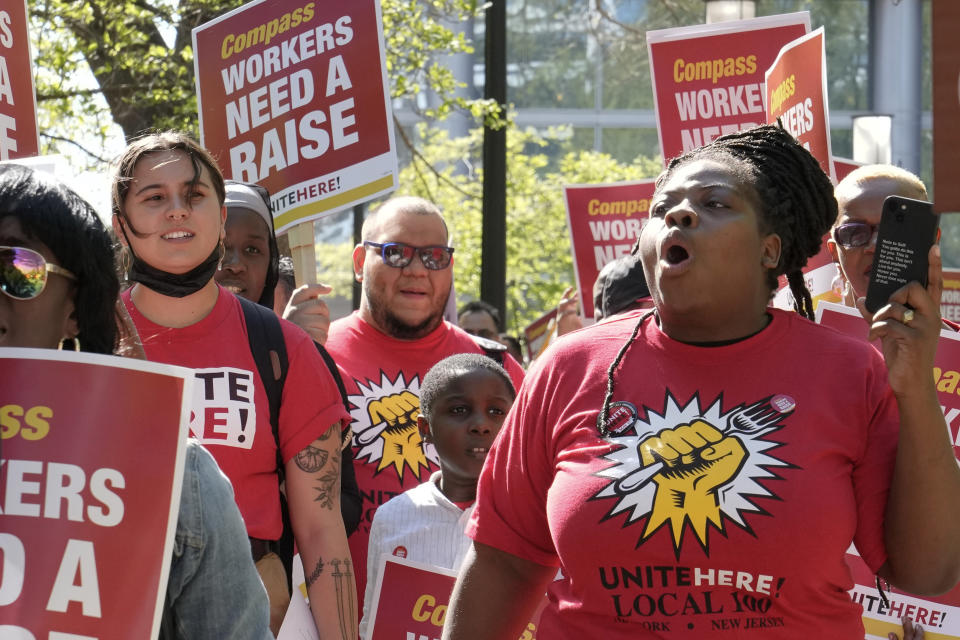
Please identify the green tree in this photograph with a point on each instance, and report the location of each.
(140, 57)
(140, 78)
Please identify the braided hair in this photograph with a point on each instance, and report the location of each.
(795, 196)
(795, 201)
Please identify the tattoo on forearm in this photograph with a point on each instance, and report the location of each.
(315, 574)
(346, 595)
(328, 485)
(312, 459)
(345, 589)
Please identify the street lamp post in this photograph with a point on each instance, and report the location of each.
(493, 262)
(723, 10)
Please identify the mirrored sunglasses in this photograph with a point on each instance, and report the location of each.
(23, 272)
(399, 255)
(852, 235)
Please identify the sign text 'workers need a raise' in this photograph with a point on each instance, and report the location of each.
(294, 97)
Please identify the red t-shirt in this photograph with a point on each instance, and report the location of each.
(748, 535)
(230, 414)
(382, 375)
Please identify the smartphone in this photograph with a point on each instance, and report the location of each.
(908, 228)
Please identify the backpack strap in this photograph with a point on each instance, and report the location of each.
(269, 351)
(335, 373)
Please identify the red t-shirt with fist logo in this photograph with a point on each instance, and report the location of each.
(382, 375)
(724, 495)
(230, 414)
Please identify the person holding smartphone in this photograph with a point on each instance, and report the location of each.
(853, 238)
(852, 242)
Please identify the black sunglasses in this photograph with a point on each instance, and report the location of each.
(399, 255)
(24, 272)
(855, 234)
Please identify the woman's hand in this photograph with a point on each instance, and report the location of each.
(908, 327)
(922, 524)
(910, 631)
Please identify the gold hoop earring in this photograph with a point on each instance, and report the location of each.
(838, 286)
(76, 344)
(125, 260)
(223, 254)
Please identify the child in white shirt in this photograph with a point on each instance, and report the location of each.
(463, 401)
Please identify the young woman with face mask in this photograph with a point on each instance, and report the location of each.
(169, 214)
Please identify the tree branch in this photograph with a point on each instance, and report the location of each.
(417, 155)
(61, 95)
(50, 136)
(158, 12)
(598, 7)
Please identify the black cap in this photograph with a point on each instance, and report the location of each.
(619, 284)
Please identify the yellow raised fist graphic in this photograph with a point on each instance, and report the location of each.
(397, 410)
(697, 459)
(402, 444)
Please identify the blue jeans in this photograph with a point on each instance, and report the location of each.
(214, 591)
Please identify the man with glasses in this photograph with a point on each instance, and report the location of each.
(405, 267)
(853, 239)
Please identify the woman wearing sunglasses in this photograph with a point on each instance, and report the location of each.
(853, 238)
(75, 311)
(59, 287)
(169, 214)
(699, 470)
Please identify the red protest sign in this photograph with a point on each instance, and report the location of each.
(708, 79)
(294, 97)
(411, 601)
(945, 76)
(939, 614)
(844, 319)
(92, 461)
(843, 166)
(18, 102)
(796, 93)
(604, 222)
(538, 334)
(946, 366)
(950, 300)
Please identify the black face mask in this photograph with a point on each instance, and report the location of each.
(175, 285)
